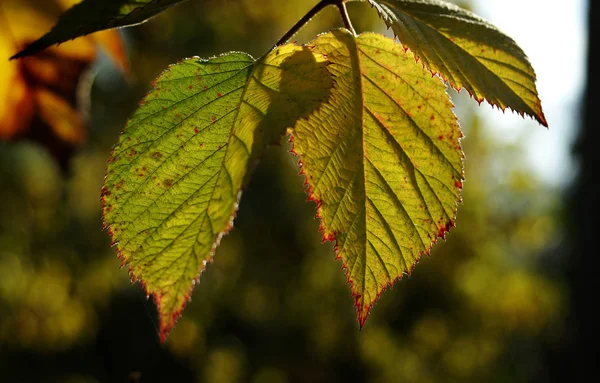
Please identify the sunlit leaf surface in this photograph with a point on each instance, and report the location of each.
(382, 159)
(174, 178)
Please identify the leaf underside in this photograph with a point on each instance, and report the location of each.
(465, 50)
(174, 178)
(382, 160)
(91, 16)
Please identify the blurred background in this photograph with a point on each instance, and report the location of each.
(509, 297)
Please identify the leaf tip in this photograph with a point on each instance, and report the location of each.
(168, 318)
(362, 319)
(541, 118)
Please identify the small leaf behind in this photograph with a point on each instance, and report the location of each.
(91, 16)
(174, 178)
(467, 51)
(382, 160)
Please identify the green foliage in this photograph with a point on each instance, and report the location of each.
(174, 179)
(375, 132)
(465, 50)
(382, 159)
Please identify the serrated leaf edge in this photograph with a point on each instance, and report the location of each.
(541, 118)
(363, 312)
(165, 328)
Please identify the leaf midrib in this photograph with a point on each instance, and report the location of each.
(355, 57)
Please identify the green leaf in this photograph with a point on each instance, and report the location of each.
(382, 160)
(91, 16)
(174, 178)
(466, 50)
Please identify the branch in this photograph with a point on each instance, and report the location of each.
(316, 9)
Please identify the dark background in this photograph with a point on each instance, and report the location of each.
(509, 297)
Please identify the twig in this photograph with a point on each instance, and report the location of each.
(316, 9)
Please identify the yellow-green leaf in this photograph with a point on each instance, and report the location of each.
(174, 178)
(466, 50)
(382, 159)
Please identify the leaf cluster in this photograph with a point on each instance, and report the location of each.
(368, 116)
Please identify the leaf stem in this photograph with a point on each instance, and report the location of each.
(341, 4)
(309, 15)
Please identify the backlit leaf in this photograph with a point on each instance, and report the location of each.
(466, 50)
(382, 160)
(91, 16)
(174, 178)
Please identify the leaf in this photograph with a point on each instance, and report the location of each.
(39, 95)
(467, 51)
(174, 179)
(382, 160)
(91, 16)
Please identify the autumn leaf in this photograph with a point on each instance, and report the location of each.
(382, 160)
(174, 179)
(38, 93)
(465, 50)
(89, 16)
